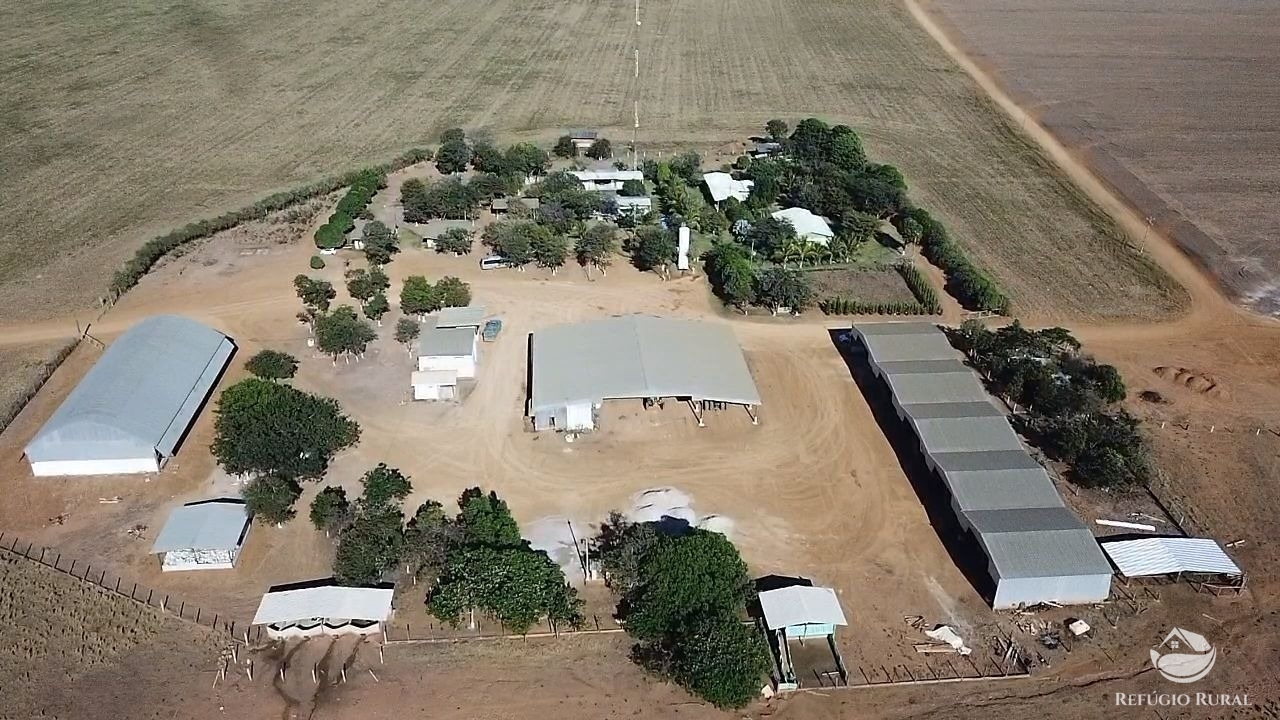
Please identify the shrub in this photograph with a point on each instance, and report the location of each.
(317, 262)
(974, 289)
(919, 286)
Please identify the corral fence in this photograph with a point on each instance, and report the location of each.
(148, 597)
(485, 629)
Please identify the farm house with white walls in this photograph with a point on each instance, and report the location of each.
(131, 410)
(455, 349)
(575, 368)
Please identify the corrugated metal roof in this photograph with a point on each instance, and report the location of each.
(1019, 520)
(434, 377)
(986, 461)
(469, 316)
(588, 176)
(910, 327)
(1168, 555)
(636, 356)
(446, 342)
(807, 224)
(801, 605)
(206, 525)
(965, 434)
(898, 347)
(961, 386)
(722, 186)
(1044, 553)
(922, 367)
(927, 411)
(141, 395)
(329, 602)
(1002, 489)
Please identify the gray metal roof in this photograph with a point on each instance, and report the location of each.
(948, 435)
(1021, 520)
(961, 386)
(894, 341)
(979, 409)
(1003, 490)
(920, 367)
(985, 461)
(469, 316)
(636, 356)
(1045, 553)
(446, 342)
(897, 328)
(206, 525)
(141, 395)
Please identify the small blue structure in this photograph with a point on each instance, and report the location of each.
(797, 614)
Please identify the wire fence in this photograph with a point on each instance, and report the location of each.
(141, 594)
(489, 629)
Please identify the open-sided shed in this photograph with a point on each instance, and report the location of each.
(131, 410)
(203, 535)
(323, 608)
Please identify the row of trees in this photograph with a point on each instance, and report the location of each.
(419, 296)
(153, 250)
(683, 599)
(333, 234)
(1071, 401)
(740, 281)
(600, 148)
(524, 242)
(456, 153)
(972, 287)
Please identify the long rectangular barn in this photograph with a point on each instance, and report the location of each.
(1036, 549)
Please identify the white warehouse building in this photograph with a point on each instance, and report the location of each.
(131, 410)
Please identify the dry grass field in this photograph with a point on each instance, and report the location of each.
(22, 369)
(125, 120)
(1172, 102)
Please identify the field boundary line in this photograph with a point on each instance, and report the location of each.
(147, 597)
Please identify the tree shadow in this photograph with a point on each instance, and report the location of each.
(933, 494)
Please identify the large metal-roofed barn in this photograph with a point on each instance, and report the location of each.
(1036, 549)
(575, 368)
(132, 408)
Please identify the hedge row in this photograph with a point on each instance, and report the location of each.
(919, 286)
(151, 251)
(333, 234)
(854, 306)
(965, 282)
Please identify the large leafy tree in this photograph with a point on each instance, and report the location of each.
(376, 307)
(732, 274)
(364, 284)
(315, 294)
(270, 497)
(453, 292)
(515, 584)
(379, 243)
(683, 577)
(272, 365)
(655, 248)
(485, 519)
(527, 159)
(263, 427)
(720, 660)
(778, 287)
(550, 249)
(565, 148)
(454, 155)
(384, 487)
(776, 130)
(601, 149)
(454, 240)
(342, 332)
(418, 296)
(370, 546)
(407, 330)
(428, 537)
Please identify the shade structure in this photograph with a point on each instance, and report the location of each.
(1145, 557)
(801, 605)
(325, 602)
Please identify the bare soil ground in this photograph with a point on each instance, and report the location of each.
(126, 121)
(865, 285)
(1169, 102)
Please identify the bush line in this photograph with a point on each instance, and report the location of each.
(333, 234)
(153, 250)
(919, 286)
(968, 284)
(854, 306)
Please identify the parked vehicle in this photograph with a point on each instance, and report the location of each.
(491, 330)
(493, 262)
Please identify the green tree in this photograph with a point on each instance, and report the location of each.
(565, 148)
(779, 287)
(315, 294)
(418, 296)
(485, 519)
(330, 510)
(620, 549)
(550, 250)
(655, 248)
(596, 247)
(633, 188)
(379, 243)
(721, 661)
(682, 577)
(369, 547)
(262, 427)
(515, 584)
(342, 332)
(688, 167)
(527, 159)
(270, 497)
(732, 274)
(454, 155)
(777, 130)
(365, 284)
(407, 330)
(453, 292)
(454, 240)
(859, 227)
(383, 487)
(600, 149)
(910, 230)
(769, 236)
(272, 365)
(376, 307)
(487, 158)
(428, 537)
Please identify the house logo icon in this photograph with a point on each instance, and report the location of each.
(1184, 656)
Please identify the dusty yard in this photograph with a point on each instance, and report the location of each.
(1127, 86)
(127, 121)
(864, 285)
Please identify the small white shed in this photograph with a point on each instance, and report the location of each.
(456, 349)
(204, 535)
(435, 385)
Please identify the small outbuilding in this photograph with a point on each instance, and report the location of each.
(583, 139)
(809, 226)
(606, 180)
(203, 535)
(722, 186)
(131, 410)
(801, 621)
(633, 205)
(470, 316)
(435, 385)
(323, 607)
(452, 348)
